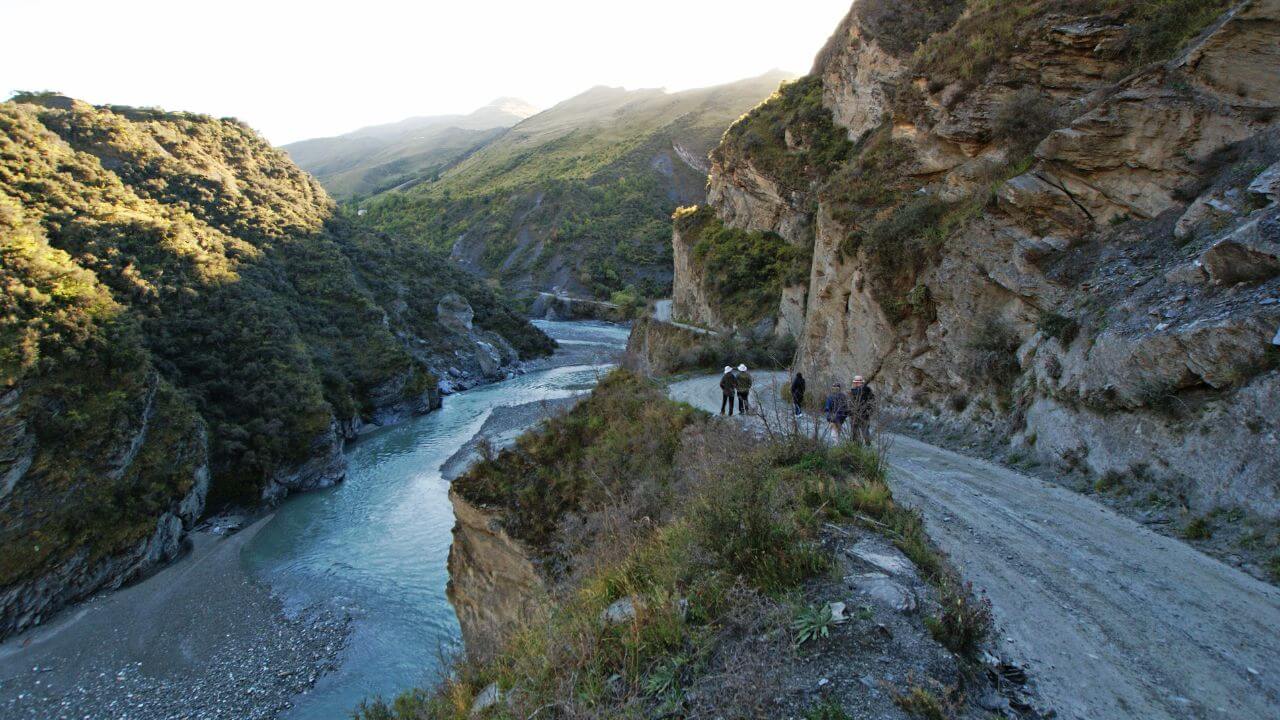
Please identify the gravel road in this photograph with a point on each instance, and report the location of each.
(1114, 620)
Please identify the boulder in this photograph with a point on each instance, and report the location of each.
(455, 312)
(885, 591)
(886, 559)
(1249, 254)
(621, 611)
(491, 695)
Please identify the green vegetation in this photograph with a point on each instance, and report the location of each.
(990, 30)
(169, 275)
(1198, 529)
(579, 195)
(813, 623)
(817, 145)
(744, 272)
(712, 527)
(1059, 327)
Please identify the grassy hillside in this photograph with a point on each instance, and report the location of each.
(580, 195)
(378, 158)
(168, 273)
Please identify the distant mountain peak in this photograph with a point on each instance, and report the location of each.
(511, 105)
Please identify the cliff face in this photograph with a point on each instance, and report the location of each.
(1058, 222)
(185, 313)
(493, 584)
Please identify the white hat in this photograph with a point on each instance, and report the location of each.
(743, 367)
(728, 369)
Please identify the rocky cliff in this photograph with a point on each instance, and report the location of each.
(493, 583)
(1056, 222)
(184, 314)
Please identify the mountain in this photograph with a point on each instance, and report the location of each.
(381, 157)
(579, 196)
(185, 317)
(1053, 224)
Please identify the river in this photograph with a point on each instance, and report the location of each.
(375, 546)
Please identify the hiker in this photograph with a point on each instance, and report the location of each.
(728, 384)
(836, 408)
(797, 393)
(861, 404)
(744, 387)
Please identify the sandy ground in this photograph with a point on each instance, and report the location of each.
(142, 653)
(1116, 621)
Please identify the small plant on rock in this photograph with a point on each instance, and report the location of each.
(813, 623)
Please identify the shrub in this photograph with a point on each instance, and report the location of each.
(991, 354)
(1198, 529)
(963, 622)
(922, 702)
(1022, 119)
(1059, 327)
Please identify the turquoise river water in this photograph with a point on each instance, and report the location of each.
(375, 546)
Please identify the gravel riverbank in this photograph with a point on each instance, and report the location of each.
(141, 653)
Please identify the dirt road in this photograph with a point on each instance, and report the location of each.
(1115, 620)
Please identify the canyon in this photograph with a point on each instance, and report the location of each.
(1067, 242)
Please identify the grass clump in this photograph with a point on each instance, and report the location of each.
(964, 621)
(1198, 529)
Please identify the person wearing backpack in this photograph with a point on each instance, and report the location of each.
(836, 409)
(728, 386)
(862, 403)
(743, 382)
(797, 393)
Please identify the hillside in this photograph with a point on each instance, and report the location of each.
(576, 197)
(381, 157)
(186, 316)
(1055, 225)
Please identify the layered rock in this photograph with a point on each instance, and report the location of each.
(493, 583)
(1106, 301)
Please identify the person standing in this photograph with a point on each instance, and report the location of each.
(728, 385)
(743, 382)
(797, 393)
(861, 404)
(836, 408)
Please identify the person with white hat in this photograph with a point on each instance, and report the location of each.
(743, 382)
(728, 385)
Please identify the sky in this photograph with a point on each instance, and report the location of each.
(295, 70)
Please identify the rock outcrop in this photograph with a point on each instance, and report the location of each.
(493, 583)
(1045, 241)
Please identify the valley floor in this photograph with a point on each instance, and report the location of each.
(1115, 621)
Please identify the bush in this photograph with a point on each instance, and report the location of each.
(1061, 328)
(992, 354)
(964, 622)
(1023, 119)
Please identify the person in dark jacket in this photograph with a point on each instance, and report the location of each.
(728, 386)
(836, 409)
(743, 381)
(797, 393)
(862, 403)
